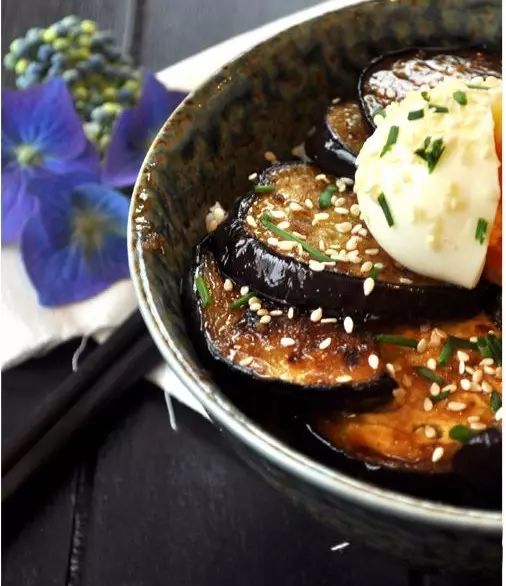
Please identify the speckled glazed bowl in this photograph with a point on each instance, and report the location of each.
(267, 100)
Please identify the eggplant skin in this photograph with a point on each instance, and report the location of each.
(286, 280)
(365, 394)
(409, 69)
(334, 144)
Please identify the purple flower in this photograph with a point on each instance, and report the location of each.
(42, 135)
(135, 130)
(74, 245)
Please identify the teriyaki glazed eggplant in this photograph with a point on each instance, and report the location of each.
(362, 286)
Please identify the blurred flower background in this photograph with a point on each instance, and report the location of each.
(77, 127)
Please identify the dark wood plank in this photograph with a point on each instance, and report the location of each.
(180, 506)
(174, 30)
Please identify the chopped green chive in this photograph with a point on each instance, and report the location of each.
(203, 291)
(481, 230)
(264, 188)
(325, 199)
(415, 115)
(441, 397)
(431, 152)
(461, 433)
(474, 86)
(460, 97)
(452, 343)
(266, 222)
(382, 200)
(429, 374)
(490, 346)
(439, 109)
(241, 301)
(495, 401)
(393, 133)
(425, 96)
(375, 271)
(396, 340)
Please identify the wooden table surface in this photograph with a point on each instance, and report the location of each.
(140, 504)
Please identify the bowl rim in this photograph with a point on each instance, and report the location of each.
(224, 414)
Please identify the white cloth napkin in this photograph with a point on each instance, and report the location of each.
(34, 330)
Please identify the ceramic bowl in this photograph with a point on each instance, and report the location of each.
(267, 99)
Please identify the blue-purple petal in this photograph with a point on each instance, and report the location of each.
(17, 205)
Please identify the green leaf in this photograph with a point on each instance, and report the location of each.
(481, 230)
(393, 134)
(461, 433)
(429, 374)
(238, 303)
(431, 152)
(396, 340)
(382, 200)
(325, 199)
(495, 401)
(460, 97)
(416, 115)
(203, 291)
(264, 188)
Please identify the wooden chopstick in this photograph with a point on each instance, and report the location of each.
(63, 421)
(70, 390)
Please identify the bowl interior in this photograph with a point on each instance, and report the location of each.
(266, 101)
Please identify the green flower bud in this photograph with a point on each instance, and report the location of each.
(111, 108)
(88, 26)
(10, 61)
(61, 44)
(21, 66)
(49, 35)
(80, 93)
(110, 94)
(132, 84)
(84, 41)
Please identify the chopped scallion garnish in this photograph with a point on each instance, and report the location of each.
(393, 134)
(425, 96)
(474, 86)
(490, 346)
(203, 291)
(429, 374)
(382, 200)
(441, 397)
(375, 271)
(266, 222)
(241, 301)
(445, 354)
(461, 433)
(481, 230)
(460, 97)
(438, 109)
(431, 152)
(264, 188)
(415, 115)
(495, 401)
(325, 199)
(452, 343)
(396, 340)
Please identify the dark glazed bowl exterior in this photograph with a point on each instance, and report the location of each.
(267, 100)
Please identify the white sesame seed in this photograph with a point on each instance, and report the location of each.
(284, 225)
(356, 228)
(437, 454)
(369, 284)
(333, 200)
(314, 265)
(344, 227)
(422, 345)
(261, 312)
(363, 232)
(435, 389)
(427, 404)
(286, 245)
(470, 370)
(316, 315)
(278, 214)
(456, 406)
(390, 367)
(465, 384)
(352, 243)
(486, 387)
(451, 387)
(290, 313)
(271, 241)
(336, 100)
(329, 320)
(489, 370)
(487, 362)
(373, 361)
(431, 363)
(399, 394)
(325, 343)
(477, 376)
(355, 210)
(344, 378)
(478, 426)
(246, 361)
(321, 245)
(265, 319)
(430, 432)
(498, 414)
(276, 312)
(255, 306)
(227, 285)
(244, 290)
(322, 177)
(462, 356)
(308, 203)
(285, 342)
(371, 251)
(473, 418)
(253, 176)
(405, 281)
(354, 257)
(462, 367)
(473, 339)
(211, 223)
(340, 201)
(407, 381)
(299, 235)
(366, 267)
(321, 216)
(348, 324)
(441, 333)
(295, 207)
(252, 300)
(498, 372)
(342, 211)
